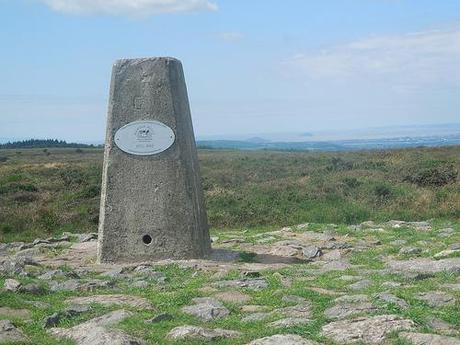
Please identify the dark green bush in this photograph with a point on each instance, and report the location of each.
(17, 187)
(351, 182)
(339, 164)
(72, 176)
(90, 191)
(6, 229)
(434, 176)
(382, 192)
(48, 219)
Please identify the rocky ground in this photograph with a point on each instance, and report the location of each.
(395, 283)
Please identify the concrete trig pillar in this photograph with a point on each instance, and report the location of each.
(152, 204)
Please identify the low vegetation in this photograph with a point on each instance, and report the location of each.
(49, 191)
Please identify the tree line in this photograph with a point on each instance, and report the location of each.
(44, 143)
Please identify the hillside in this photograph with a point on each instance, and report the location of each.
(45, 193)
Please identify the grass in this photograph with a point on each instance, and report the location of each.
(45, 193)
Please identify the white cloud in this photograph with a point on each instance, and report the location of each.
(129, 7)
(405, 61)
(231, 36)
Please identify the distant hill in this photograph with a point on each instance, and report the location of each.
(332, 145)
(257, 140)
(42, 143)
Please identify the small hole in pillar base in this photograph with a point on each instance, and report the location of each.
(147, 239)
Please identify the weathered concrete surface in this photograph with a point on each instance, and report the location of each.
(158, 195)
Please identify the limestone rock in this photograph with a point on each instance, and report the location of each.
(99, 331)
(66, 285)
(233, 297)
(33, 289)
(23, 314)
(281, 339)
(454, 246)
(370, 330)
(348, 278)
(285, 250)
(391, 285)
(290, 322)
(410, 250)
(349, 305)
(52, 274)
(441, 326)
(338, 265)
(11, 285)
(428, 339)
(9, 333)
(200, 333)
(206, 309)
(454, 287)
(447, 232)
(11, 267)
(333, 255)
(95, 284)
(115, 273)
(311, 252)
(140, 284)
(420, 226)
(344, 310)
(150, 273)
(257, 317)
(390, 298)
(425, 266)
(258, 283)
(437, 298)
(362, 284)
(133, 301)
(300, 310)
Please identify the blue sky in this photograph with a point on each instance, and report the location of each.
(252, 66)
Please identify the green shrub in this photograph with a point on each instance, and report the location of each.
(339, 164)
(17, 187)
(90, 191)
(434, 176)
(48, 219)
(6, 228)
(72, 176)
(382, 192)
(351, 182)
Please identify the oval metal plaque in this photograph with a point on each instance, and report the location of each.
(144, 138)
